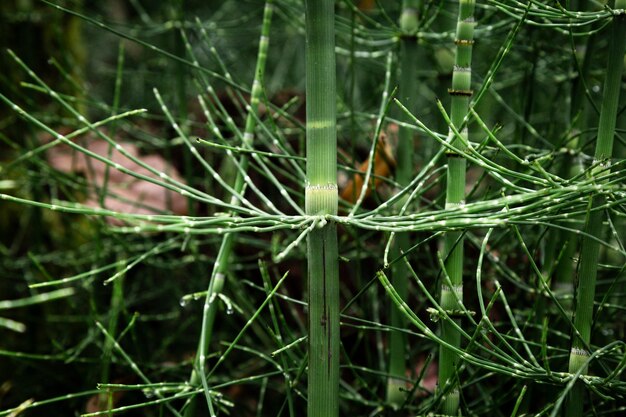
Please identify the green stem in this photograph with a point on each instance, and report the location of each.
(404, 174)
(115, 308)
(455, 196)
(220, 268)
(588, 268)
(321, 199)
(181, 94)
(562, 241)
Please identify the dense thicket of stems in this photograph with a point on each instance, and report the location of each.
(405, 168)
(589, 252)
(321, 199)
(279, 338)
(220, 267)
(452, 292)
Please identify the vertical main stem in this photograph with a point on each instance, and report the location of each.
(323, 275)
(455, 196)
(588, 268)
(561, 245)
(321, 199)
(404, 174)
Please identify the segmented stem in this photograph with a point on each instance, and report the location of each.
(455, 196)
(409, 21)
(589, 252)
(321, 199)
(218, 274)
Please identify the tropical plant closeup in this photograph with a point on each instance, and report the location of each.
(313, 208)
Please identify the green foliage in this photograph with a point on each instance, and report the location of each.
(166, 165)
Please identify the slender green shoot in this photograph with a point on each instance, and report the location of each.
(409, 25)
(589, 252)
(220, 268)
(321, 198)
(455, 198)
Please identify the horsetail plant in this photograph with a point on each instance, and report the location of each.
(222, 262)
(452, 292)
(523, 191)
(409, 21)
(563, 264)
(321, 199)
(589, 252)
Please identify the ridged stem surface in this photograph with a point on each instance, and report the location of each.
(405, 168)
(455, 196)
(320, 199)
(589, 252)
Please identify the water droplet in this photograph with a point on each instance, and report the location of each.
(434, 314)
(229, 310)
(184, 301)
